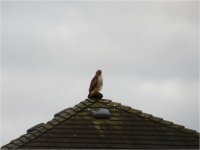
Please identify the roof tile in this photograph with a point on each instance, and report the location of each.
(135, 111)
(167, 122)
(54, 122)
(105, 101)
(41, 129)
(11, 146)
(86, 102)
(59, 119)
(35, 127)
(60, 112)
(91, 100)
(48, 125)
(177, 126)
(76, 108)
(190, 131)
(17, 142)
(125, 108)
(114, 104)
(145, 115)
(70, 111)
(81, 105)
(29, 136)
(24, 139)
(157, 119)
(65, 115)
(36, 133)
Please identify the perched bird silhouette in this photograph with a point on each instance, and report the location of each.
(96, 84)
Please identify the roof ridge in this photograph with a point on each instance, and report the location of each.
(57, 119)
(149, 117)
(70, 112)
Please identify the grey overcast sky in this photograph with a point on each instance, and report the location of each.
(50, 50)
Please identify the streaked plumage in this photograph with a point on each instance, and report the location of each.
(96, 83)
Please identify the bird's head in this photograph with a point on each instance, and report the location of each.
(98, 72)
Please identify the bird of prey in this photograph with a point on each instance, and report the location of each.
(96, 84)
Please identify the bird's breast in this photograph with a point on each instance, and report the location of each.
(100, 79)
(100, 82)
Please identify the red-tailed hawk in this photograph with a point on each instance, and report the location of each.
(96, 84)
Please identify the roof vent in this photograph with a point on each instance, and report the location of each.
(35, 127)
(100, 113)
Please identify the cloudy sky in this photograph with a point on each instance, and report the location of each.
(147, 50)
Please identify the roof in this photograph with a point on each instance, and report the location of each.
(126, 128)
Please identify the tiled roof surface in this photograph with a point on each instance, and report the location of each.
(126, 128)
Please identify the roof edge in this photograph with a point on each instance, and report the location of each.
(60, 117)
(150, 117)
